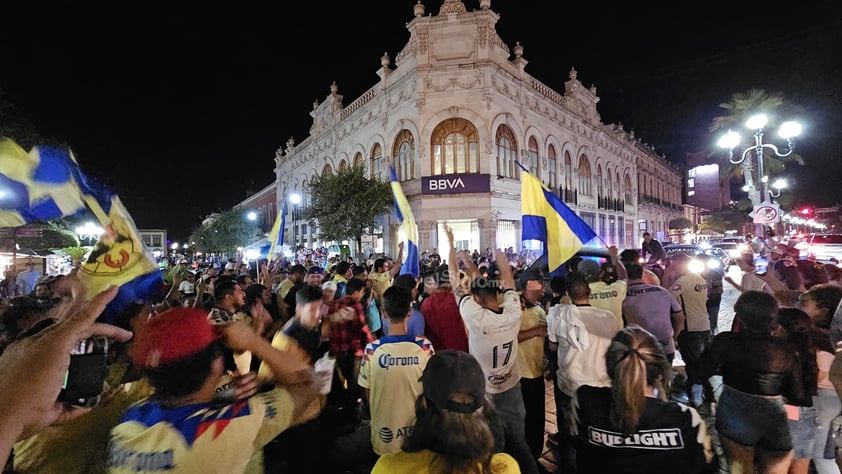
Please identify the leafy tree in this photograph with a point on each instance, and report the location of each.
(226, 231)
(75, 253)
(347, 203)
(716, 223)
(53, 236)
(680, 223)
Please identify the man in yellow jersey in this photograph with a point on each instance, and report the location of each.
(691, 291)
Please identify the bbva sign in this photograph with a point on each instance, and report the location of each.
(456, 183)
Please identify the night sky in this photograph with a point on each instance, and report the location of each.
(180, 110)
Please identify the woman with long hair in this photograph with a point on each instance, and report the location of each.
(820, 303)
(455, 430)
(802, 413)
(757, 365)
(630, 427)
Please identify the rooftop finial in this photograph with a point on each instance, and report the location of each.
(418, 9)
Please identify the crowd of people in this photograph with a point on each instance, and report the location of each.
(353, 367)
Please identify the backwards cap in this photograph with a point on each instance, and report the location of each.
(173, 335)
(450, 372)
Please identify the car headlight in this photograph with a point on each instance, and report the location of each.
(714, 264)
(736, 253)
(696, 266)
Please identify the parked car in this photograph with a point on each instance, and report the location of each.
(733, 249)
(708, 266)
(723, 256)
(823, 246)
(702, 262)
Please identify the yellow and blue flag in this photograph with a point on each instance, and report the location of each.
(411, 262)
(546, 218)
(276, 236)
(47, 183)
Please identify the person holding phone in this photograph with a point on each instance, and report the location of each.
(42, 360)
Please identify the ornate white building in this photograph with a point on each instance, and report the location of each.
(454, 114)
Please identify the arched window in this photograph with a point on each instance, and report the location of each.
(327, 170)
(343, 165)
(568, 172)
(404, 149)
(455, 145)
(551, 167)
(358, 159)
(599, 181)
(617, 185)
(376, 161)
(506, 152)
(627, 189)
(533, 158)
(609, 187)
(585, 176)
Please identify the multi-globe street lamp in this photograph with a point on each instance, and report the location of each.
(89, 231)
(788, 130)
(757, 184)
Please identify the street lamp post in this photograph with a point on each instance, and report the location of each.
(89, 232)
(758, 191)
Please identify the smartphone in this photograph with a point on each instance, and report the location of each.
(83, 382)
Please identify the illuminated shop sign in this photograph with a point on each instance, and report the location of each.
(456, 184)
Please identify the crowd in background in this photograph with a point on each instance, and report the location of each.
(350, 366)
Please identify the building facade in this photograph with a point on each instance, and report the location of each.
(456, 114)
(155, 240)
(706, 188)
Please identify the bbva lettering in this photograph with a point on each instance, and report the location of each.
(444, 183)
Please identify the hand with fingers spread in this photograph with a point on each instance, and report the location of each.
(37, 366)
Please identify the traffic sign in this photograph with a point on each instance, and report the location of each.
(766, 213)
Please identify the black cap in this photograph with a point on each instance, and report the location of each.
(450, 372)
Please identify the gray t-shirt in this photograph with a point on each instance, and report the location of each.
(650, 307)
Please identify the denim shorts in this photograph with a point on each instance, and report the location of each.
(803, 432)
(753, 420)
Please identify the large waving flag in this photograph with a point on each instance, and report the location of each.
(411, 261)
(548, 219)
(276, 236)
(47, 183)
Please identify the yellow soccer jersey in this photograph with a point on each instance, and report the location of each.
(197, 438)
(390, 370)
(421, 462)
(691, 290)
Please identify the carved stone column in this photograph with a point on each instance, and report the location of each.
(487, 233)
(426, 235)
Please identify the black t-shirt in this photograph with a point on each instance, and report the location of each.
(289, 299)
(670, 437)
(309, 339)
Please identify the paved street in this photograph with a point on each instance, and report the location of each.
(726, 316)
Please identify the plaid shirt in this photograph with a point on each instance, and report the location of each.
(348, 338)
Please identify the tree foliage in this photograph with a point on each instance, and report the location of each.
(715, 223)
(347, 204)
(53, 236)
(680, 223)
(225, 232)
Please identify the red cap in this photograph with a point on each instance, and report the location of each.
(173, 335)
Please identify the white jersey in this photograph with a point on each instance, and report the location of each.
(492, 340)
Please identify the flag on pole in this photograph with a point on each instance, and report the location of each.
(276, 236)
(411, 262)
(546, 218)
(47, 183)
